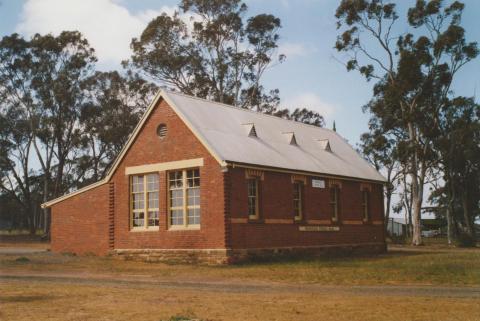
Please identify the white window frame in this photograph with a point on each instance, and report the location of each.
(300, 185)
(255, 216)
(335, 203)
(185, 207)
(365, 204)
(146, 209)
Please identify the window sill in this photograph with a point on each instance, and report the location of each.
(151, 229)
(184, 228)
(298, 219)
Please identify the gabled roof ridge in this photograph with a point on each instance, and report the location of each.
(161, 94)
(246, 110)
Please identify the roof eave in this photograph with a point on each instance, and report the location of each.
(310, 173)
(161, 94)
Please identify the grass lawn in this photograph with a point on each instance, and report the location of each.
(34, 299)
(459, 267)
(39, 301)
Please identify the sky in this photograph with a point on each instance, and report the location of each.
(312, 76)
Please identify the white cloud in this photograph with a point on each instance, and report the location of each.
(108, 26)
(291, 49)
(310, 101)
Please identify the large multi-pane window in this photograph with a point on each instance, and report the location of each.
(334, 196)
(184, 197)
(297, 200)
(365, 210)
(252, 190)
(144, 201)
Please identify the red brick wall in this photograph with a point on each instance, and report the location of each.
(80, 223)
(179, 144)
(276, 203)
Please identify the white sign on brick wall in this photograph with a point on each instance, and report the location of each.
(318, 183)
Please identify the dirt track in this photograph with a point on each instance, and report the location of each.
(237, 287)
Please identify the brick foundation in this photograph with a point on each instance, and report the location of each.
(188, 256)
(232, 256)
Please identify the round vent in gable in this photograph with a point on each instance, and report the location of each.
(162, 130)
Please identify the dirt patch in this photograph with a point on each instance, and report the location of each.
(86, 302)
(243, 287)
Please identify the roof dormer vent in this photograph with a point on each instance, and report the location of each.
(290, 136)
(325, 144)
(250, 129)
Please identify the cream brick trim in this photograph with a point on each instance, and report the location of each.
(161, 94)
(160, 167)
(319, 222)
(352, 222)
(144, 229)
(278, 221)
(332, 182)
(377, 222)
(299, 178)
(239, 220)
(318, 228)
(291, 171)
(253, 173)
(365, 187)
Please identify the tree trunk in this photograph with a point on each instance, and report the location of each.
(466, 215)
(31, 221)
(450, 213)
(387, 208)
(417, 229)
(417, 200)
(450, 236)
(46, 225)
(407, 225)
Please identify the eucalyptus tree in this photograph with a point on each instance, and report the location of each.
(214, 50)
(380, 150)
(15, 162)
(413, 73)
(458, 148)
(41, 91)
(218, 54)
(115, 104)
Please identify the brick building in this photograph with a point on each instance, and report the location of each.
(203, 181)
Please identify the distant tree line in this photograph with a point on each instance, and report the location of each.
(420, 132)
(62, 122)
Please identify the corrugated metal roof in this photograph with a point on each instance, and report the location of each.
(222, 127)
(227, 133)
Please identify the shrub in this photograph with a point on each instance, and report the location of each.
(465, 240)
(22, 259)
(398, 239)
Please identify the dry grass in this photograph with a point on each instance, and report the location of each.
(453, 267)
(47, 299)
(42, 301)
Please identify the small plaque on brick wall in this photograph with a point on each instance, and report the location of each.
(318, 183)
(319, 228)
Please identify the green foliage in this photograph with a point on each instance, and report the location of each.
(466, 240)
(56, 111)
(219, 54)
(113, 109)
(412, 95)
(41, 91)
(22, 259)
